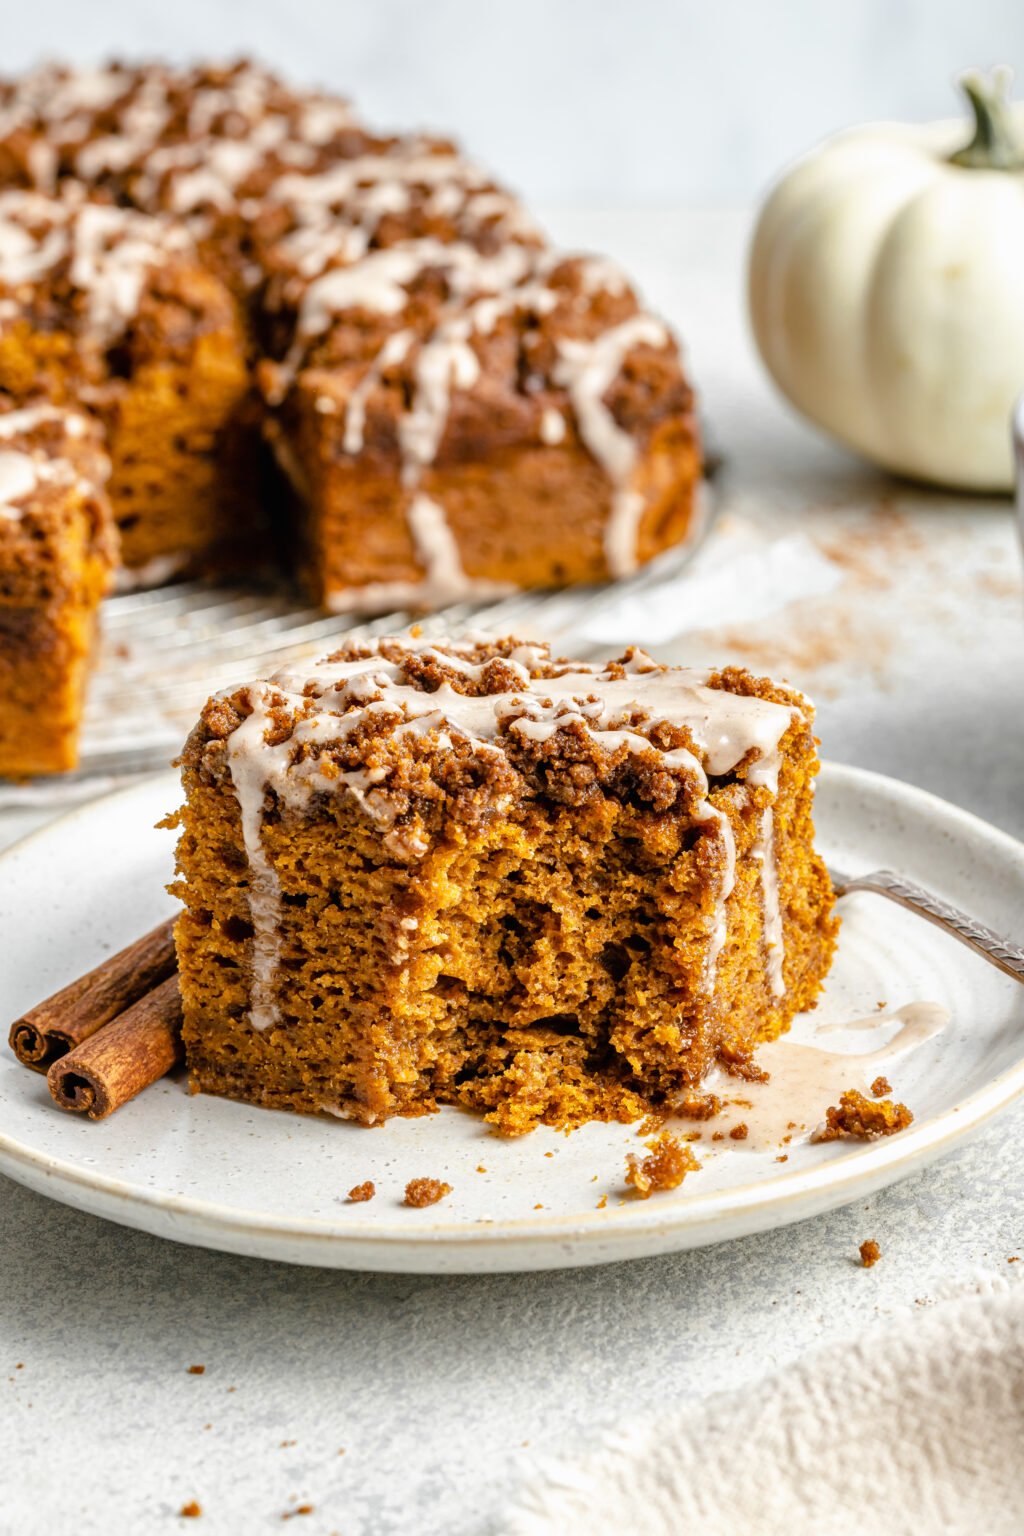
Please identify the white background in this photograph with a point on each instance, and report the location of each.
(580, 101)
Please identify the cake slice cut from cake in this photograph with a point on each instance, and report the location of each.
(114, 312)
(58, 549)
(460, 422)
(553, 891)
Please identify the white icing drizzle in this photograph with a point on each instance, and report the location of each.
(111, 250)
(552, 427)
(805, 1079)
(19, 477)
(28, 248)
(359, 192)
(14, 423)
(379, 282)
(193, 140)
(29, 459)
(587, 369)
(764, 852)
(155, 572)
(332, 699)
(437, 550)
(391, 353)
(320, 120)
(445, 361)
(247, 749)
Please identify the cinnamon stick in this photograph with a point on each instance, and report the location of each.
(125, 1056)
(53, 1028)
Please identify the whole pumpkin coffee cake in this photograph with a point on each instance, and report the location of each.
(552, 891)
(313, 346)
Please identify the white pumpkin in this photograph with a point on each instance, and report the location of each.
(887, 290)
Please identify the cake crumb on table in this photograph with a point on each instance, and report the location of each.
(860, 1118)
(666, 1166)
(197, 1370)
(739, 1132)
(880, 1087)
(870, 1253)
(361, 1192)
(420, 1192)
(190, 1511)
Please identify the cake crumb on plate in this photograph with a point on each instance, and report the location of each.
(857, 1117)
(667, 1165)
(420, 1192)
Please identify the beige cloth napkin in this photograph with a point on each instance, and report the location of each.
(911, 1431)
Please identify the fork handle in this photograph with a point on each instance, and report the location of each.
(996, 949)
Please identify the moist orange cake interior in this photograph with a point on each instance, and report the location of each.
(470, 873)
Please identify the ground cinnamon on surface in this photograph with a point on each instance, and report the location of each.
(420, 1192)
(360, 1192)
(861, 1119)
(666, 1166)
(870, 1253)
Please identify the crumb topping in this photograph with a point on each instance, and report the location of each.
(386, 720)
(870, 1253)
(52, 468)
(95, 257)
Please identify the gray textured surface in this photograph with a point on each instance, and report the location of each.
(441, 1391)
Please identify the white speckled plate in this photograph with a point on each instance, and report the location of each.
(206, 1171)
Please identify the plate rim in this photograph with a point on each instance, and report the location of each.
(838, 1180)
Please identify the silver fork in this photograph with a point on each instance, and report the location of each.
(992, 946)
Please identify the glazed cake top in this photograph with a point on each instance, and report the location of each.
(393, 720)
(390, 277)
(236, 139)
(89, 260)
(52, 468)
(42, 445)
(161, 137)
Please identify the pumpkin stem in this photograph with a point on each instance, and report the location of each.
(995, 144)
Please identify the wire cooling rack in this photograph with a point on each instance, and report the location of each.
(163, 652)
